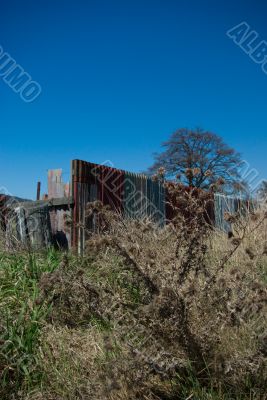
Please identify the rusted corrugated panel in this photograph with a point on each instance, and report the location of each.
(90, 182)
(109, 183)
(74, 211)
(112, 187)
(134, 195)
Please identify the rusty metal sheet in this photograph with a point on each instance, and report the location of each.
(126, 193)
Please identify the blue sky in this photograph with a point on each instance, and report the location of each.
(118, 77)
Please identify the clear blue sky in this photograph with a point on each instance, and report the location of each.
(118, 77)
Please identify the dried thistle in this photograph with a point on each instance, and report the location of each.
(220, 181)
(236, 241)
(250, 253)
(161, 172)
(231, 218)
(196, 171)
(208, 173)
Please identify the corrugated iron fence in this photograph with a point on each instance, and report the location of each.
(232, 205)
(133, 195)
(63, 212)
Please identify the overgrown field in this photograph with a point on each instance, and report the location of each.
(148, 313)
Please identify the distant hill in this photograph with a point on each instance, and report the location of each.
(6, 199)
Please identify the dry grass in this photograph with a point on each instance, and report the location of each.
(69, 359)
(145, 315)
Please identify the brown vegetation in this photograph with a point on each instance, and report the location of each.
(152, 313)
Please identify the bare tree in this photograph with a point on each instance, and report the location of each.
(199, 158)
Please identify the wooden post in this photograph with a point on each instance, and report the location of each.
(38, 196)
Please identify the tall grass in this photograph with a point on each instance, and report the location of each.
(22, 318)
(144, 315)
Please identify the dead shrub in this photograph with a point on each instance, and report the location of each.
(207, 304)
(73, 299)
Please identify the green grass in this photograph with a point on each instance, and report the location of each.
(22, 318)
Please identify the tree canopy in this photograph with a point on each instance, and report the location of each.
(198, 158)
